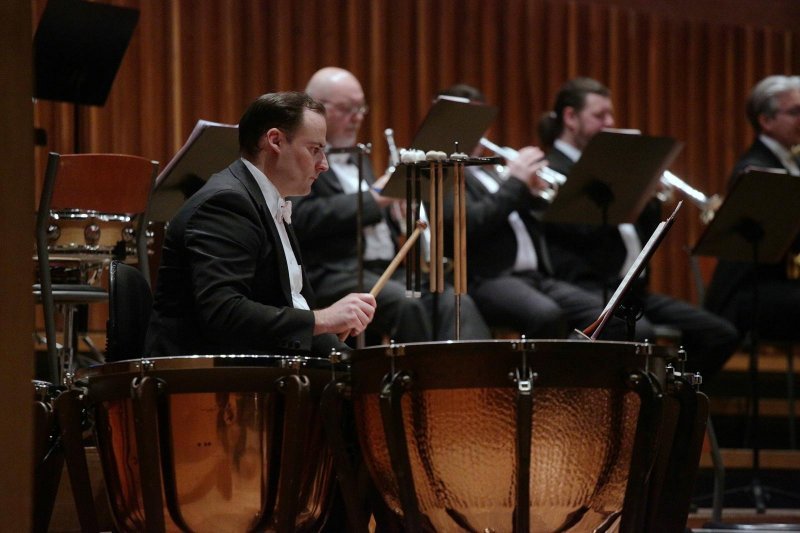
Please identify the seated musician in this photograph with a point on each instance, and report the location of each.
(596, 257)
(231, 278)
(773, 109)
(326, 226)
(508, 261)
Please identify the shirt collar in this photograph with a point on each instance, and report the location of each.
(780, 151)
(277, 206)
(567, 149)
(339, 159)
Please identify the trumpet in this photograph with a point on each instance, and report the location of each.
(550, 176)
(707, 204)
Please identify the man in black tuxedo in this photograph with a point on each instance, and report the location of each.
(326, 227)
(510, 276)
(596, 258)
(773, 110)
(231, 278)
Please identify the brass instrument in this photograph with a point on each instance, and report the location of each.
(707, 204)
(551, 177)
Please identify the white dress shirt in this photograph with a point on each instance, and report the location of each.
(784, 156)
(275, 204)
(378, 243)
(526, 252)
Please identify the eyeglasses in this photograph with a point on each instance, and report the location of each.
(793, 112)
(345, 109)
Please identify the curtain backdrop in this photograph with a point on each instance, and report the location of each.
(678, 68)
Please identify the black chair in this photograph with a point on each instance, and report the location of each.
(130, 304)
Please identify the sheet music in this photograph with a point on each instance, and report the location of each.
(641, 261)
(198, 131)
(210, 147)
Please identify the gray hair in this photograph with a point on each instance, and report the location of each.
(763, 99)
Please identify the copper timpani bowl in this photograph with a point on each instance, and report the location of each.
(442, 429)
(235, 441)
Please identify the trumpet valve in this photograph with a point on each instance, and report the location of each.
(710, 209)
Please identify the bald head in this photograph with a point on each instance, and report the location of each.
(343, 97)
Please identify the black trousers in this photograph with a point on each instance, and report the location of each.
(709, 339)
(540, 306)
(402, 318)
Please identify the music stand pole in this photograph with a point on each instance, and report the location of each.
(359, 150)
(754, 233)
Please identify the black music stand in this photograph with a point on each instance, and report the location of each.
(451, 121)
(749, 228)
(611, 183)
(594, 330)
(613, 180)
(78, 48)
(210, 148)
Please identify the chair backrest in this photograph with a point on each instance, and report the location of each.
(110, 183)
(106, 183)
(130, 305)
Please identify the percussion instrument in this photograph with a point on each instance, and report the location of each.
(212, 443)
(82, 243)
(515, 435)
(89, 234)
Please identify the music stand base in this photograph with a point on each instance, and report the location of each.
(760, 494)
(754, 527)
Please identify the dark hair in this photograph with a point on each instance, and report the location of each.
(572, 94)
(462, 90)
(274, 110)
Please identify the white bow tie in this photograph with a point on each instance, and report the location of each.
(284, 211)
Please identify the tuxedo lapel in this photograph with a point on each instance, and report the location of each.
(243, 174)
(329, 180)
(283, 269)
(307, 292)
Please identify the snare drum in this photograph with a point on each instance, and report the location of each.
(510, 435)
(90, 233)
(233, 443)
(82, 243)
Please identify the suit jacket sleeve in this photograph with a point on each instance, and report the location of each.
(488, 213)
(225, 242)
(328, 211)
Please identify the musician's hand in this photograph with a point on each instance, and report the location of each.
(377, 189)
(348, 316)
(525, 166)
(381, 182)
(665, 192)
